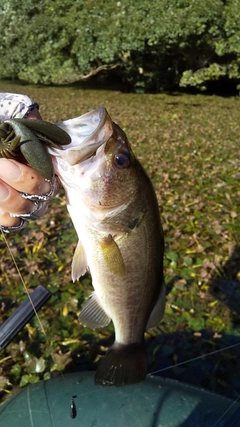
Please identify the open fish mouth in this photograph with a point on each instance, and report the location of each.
(115, 212)
(88, 132)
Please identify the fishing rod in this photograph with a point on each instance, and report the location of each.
(26, 311)
(10, 328)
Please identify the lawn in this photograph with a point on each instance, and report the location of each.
(189, 145)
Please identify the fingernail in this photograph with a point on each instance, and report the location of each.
(4, 192)
(9, 170)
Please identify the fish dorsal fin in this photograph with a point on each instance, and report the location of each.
(158, 309)
(79, 262)
(112, 255)
(92, 314)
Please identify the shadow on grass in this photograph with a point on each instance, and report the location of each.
(204, 359)
(219, 372)
(201, 359)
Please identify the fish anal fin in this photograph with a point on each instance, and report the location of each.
(92, 314)
(112, 255)
(79, 262)
(158, 309)
(122, 365)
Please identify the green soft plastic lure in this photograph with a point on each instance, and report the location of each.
(30, 138)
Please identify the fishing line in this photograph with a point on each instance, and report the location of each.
(151, 373)
(29, 296)
(39, 321)
(201, 357)
(23, 283)
(227, 425)
(48, 406)
(195, 358)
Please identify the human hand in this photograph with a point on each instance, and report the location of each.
(17, 178)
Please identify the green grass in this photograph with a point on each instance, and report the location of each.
(189, 145)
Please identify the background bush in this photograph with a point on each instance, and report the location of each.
(147, 46)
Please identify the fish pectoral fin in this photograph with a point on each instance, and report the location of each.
(93, 315)
(79, 262)
(112, 255)
(158, 309)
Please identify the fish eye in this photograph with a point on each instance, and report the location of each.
(121, 161)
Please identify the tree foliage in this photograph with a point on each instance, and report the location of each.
(147, 45)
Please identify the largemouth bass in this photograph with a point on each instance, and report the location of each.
(115, 212)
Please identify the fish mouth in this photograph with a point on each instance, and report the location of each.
(88, 132)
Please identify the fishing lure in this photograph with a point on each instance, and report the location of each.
(29, 137)
(73, 409)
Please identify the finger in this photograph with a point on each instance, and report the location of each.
(12, 202)
(22, 177)
(8, 221)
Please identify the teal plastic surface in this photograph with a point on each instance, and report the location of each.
(157, 402)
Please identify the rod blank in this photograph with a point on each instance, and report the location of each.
(10, 328)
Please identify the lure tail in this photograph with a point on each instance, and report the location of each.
(29, 137)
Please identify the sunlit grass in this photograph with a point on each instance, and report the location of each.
(189, 145)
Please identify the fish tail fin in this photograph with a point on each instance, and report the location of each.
(123, 364)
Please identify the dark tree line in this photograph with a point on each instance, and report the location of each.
(149, 46)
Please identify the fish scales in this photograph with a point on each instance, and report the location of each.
(115, 212)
